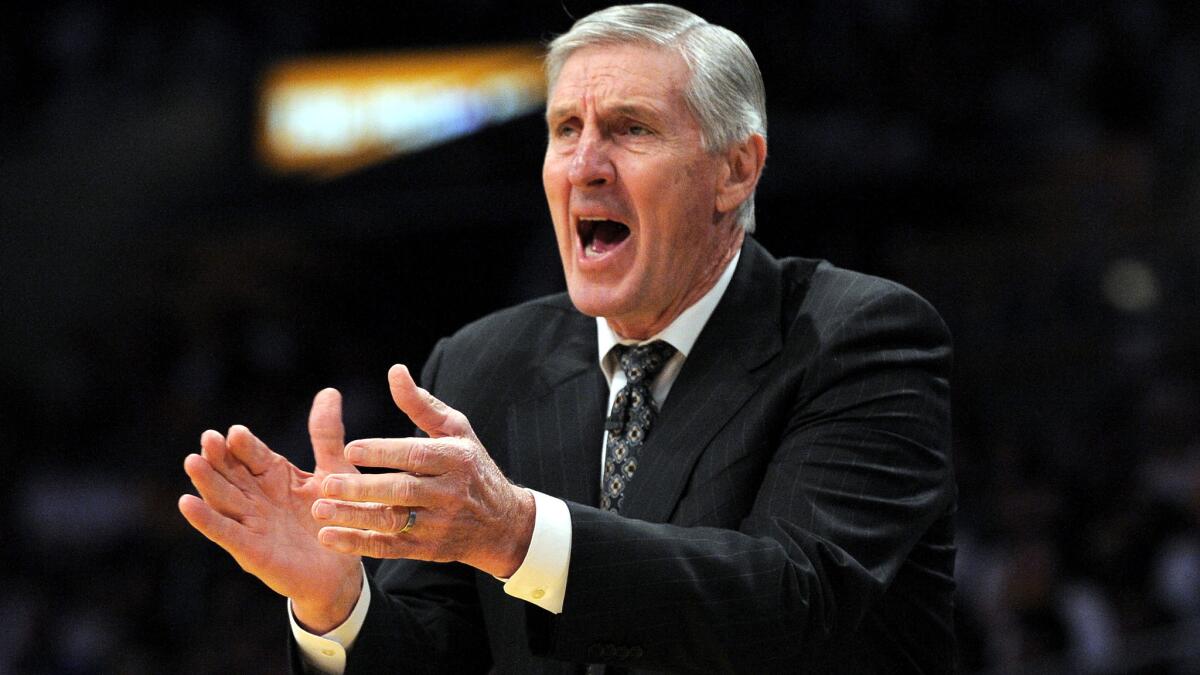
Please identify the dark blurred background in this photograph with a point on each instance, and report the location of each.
(1031, 168)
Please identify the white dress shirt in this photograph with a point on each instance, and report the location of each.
(542, 577)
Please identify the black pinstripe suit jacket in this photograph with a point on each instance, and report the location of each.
(791, 512)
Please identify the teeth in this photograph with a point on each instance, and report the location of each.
(590, 251)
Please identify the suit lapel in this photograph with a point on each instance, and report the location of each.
(555, 433)
(720, 375)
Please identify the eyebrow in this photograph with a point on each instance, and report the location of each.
(637, 110)
(560, 112)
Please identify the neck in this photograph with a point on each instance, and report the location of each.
(641, 330)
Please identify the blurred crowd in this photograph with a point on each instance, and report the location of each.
(1033, 170)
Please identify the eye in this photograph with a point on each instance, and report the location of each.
(566, 130)
(638, 130)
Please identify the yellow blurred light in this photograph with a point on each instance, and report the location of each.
(331, 115)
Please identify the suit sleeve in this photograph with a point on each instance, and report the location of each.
(424, 617)
(859, 472)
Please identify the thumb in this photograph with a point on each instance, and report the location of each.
(424, 409)
(327, 433)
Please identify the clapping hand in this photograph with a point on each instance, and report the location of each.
(257, 506)
(460, 505)
(302, 533)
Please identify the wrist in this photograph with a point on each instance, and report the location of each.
(321, 615)
(515, 544)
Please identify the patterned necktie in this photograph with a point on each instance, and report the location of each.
(632, 413)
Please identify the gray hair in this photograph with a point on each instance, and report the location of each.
(726, 91)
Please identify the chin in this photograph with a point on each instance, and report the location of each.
(593, 300)
(586, 302)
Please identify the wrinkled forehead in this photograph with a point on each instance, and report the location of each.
(616, 72)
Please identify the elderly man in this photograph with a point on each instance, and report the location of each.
(705, 460)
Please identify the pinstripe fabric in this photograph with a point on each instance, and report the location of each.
(792, 511)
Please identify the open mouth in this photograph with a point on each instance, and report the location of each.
(600, 235)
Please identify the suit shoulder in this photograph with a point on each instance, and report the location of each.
(835, 297)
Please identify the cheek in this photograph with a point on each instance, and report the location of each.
(554, 168)
(557, 195)
(553, 186)
(698, 181)
(548, 181)
(679, 192)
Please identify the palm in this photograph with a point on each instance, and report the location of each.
(283, 549)
(258, 507)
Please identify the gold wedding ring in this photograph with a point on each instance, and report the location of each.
(412, 520)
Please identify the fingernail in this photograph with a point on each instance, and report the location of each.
(333, 486)
(323, 510)
(354, 453)
(328, 538)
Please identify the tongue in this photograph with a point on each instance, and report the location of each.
(608, 234)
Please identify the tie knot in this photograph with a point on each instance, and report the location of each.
(642, 362)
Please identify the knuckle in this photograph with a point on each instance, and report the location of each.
(371, 453)
(418, 454)
(394, 519)
(401, 490)
(448, 451)
(472, 460)
(372, 547)
(435, 403)
(396, 455)
(353, 489)
(334, 513)
(379, 545)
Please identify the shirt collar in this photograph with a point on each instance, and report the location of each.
(681, 333)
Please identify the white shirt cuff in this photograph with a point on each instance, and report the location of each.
(542, 577)
(326, 653)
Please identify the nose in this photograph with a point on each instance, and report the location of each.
(590, 165)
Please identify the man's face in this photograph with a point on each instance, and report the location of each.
(632, 191)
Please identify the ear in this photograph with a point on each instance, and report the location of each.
(742, 166)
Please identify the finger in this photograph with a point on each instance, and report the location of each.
(369, 516)
(215, 449)
(370, 543)
(214, 488)
(424, 409)
(427, 456)
(327, 432)
(250, 451)
(221, 530)
(396, 489)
